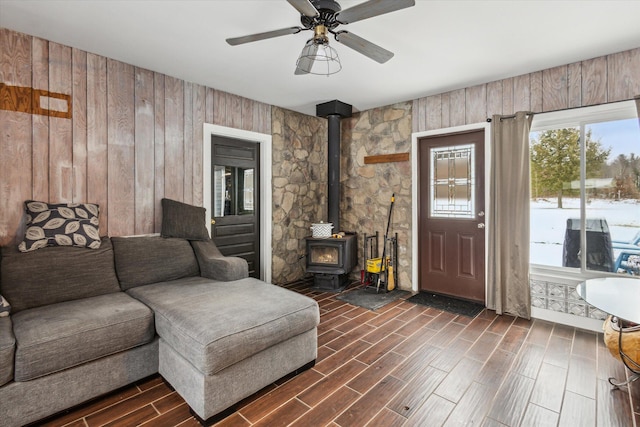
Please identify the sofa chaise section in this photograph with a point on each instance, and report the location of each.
(220, 341)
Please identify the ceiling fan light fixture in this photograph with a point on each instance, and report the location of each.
(317, 57)
(320, 59)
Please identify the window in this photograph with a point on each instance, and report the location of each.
(453, 182)
(232, 191)
(585, 189)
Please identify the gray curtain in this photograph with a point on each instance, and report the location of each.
(637, 98)
(508, 265)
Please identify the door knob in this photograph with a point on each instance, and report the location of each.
(481, 225)
(481, 214)
(213, 221)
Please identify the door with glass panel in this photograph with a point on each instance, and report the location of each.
(236, 199)
(452, 215)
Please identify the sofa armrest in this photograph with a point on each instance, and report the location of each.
(7, 350)
(214, 265)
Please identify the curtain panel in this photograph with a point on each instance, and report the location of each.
(508, 266)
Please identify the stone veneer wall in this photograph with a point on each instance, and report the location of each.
(366, 189)
(299, 188)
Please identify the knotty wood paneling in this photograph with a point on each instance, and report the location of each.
(623, 76)
(234, 111)
(60, 129)
(247, 113)
(457, 107)
(199, 110)
(173, 138)
(433, 112)
(536, 91)
(595, 81)
(507, 96)
(209, 105)
(144, 152)
(494, 98)
(446, 107)
(15, 136)
(574, 83)
(135, 136)
(188, 143)
(159, 133)
(40, 137)
(97, 168)
(522, 93)
(419, 115)
(121, 149)
(220, 108)
(79, 99)
(476, 104)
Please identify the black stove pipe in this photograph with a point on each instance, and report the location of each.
(333, 172)
(334, 111)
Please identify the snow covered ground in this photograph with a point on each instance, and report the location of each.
(548, 224)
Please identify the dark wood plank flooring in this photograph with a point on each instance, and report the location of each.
(409, 365)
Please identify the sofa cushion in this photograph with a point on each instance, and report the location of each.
(55, 274)
(144, 260)
(183, 220)
(60, 224)
(7, 350)
(60, 336)
(216, 324)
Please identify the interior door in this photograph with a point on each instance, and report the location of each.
(236, 200)
(451, 215)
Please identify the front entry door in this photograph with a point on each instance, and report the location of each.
(452, 219)
(236, 200)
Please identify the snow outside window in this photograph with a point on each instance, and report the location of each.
(585, 189)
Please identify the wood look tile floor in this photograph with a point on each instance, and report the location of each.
(409, 365)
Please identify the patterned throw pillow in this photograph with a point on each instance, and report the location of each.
(5, 307)
(62, 224)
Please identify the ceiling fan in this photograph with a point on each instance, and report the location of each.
(323, 17)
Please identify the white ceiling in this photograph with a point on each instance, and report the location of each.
(438, 45)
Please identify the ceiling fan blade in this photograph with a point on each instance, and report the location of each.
(363, 46)
(305, 63)
(261, 36)
(372, 8)
(304, 7)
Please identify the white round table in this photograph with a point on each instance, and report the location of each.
(620, 297)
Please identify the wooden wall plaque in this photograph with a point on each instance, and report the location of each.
(386, 158)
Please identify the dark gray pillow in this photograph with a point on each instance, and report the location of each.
(183, 221)
(145, 260)
(55, 274)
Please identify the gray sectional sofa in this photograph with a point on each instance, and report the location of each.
(88, 321)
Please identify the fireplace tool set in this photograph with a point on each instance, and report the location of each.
(379, 272)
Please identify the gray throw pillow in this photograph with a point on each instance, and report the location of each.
(183, 221)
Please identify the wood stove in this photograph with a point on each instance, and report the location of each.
(331, 260)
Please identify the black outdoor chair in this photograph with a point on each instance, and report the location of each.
(599, 248)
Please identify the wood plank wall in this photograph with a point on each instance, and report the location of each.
(601, 80)
(135, 136)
